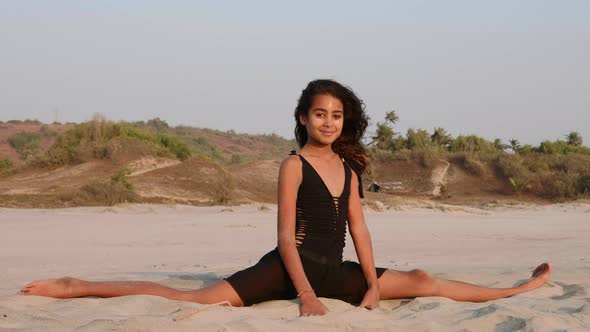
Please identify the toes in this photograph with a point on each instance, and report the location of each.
(544, 268)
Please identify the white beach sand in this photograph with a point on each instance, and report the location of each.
(189, 247)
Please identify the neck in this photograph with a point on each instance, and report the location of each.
(318, 150)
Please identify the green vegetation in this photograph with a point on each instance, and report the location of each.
(519, 184)
(6, 167)
(25, 121)
(236, 159)
(103, 139)
(25, 144)
(46, 132)
(557, 170)
(558, 177)
(207, 143)
(118, 190)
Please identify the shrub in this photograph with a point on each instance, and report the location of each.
(561, 147)
(178, 148)
(158, 125)
(32, 121)
(469, 162)
(46, 132)
(510, 165)
(554, 176)
(584, 185)
(425, 156)
(403, 154)
(25, 121)
(223, 189)
(236, 159)
(376, 154)
(103, 140)
(417, 139)
(25, 144)
(519, 184)
(473, 165)
(471, 144)
(118, 190)
(6, 167)
(558, 186)
(265, 156)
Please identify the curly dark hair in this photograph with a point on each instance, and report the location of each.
(349, 144)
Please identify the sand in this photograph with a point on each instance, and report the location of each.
(191, 247)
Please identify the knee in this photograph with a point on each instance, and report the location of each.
(425, 282)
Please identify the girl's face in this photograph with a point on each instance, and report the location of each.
(324, 120)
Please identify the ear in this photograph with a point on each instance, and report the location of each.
(303, 119)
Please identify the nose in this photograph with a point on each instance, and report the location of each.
(329, 121)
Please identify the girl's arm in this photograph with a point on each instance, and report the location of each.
(289, 180)
(362, 244)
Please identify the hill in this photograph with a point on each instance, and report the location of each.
(105, 163)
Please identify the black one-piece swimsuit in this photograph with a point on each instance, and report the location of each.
(320, 230)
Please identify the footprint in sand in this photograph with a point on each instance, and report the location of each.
(429, 306)
(570, 291)
(569, 310)
(483, 312)
(513, 324)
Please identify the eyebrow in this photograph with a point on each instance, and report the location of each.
(324, 110)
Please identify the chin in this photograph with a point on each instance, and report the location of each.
(326, 141)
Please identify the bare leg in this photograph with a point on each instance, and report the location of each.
(397, 284)
(70, 287)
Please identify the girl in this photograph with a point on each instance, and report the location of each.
(319, 191)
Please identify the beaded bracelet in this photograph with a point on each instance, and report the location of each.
(303, 291)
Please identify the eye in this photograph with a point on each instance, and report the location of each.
(337, 116)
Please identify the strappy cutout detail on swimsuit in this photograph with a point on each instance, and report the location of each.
(320, 216)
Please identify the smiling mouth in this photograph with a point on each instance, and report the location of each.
(328, 133)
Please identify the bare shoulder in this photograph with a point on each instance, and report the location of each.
(290, 171)
(291, 163)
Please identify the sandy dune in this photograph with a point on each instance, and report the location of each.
(190, 247)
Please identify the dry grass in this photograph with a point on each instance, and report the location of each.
(6, 167)
(553, 176)
(223, 189)
(117, 190)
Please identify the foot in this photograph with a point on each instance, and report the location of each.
(62, 288)
(540, 276)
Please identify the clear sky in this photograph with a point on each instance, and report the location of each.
(505, 69)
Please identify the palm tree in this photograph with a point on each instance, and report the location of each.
(499, 145)
(391, 117)
(514, 145)
(383, 138)
(440, 137)
(574, 138)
